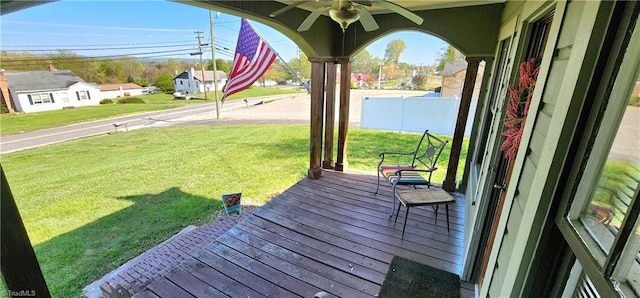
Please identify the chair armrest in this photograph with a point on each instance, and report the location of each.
(399, 172)
(383, 154)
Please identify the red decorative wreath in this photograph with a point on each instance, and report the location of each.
(518, 107)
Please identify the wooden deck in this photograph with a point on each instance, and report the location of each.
(332, 234)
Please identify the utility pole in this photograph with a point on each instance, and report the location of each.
(200, 45)
(380, 74)
(215, 68)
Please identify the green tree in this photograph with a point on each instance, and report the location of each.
(221, 65)
(394, 50)
(363, 62)
(22, 61)
(276, 72)
(419, 81)
(133, 69)
(175, 66)
(448, 54)
(142, 82)
(301, 66)
(391, 72)
(165, 82)
(91, 71)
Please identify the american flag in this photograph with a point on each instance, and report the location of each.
(252, 59)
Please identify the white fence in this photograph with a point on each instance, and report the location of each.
(414, 114)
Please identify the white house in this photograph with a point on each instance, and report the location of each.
(190, 82)
(120, 90)
(36, 91)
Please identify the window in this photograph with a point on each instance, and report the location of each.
(602, 217)
(40, 98)
(83, 95)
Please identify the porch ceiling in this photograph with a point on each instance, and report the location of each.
(470, 26)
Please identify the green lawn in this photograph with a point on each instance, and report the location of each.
(19, 123)
(90, 205)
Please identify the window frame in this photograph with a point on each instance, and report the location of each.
(622, 68)
(40, 98)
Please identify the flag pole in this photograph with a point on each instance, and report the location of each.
(215, 69)
(284, 62)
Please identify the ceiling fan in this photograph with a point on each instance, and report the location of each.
(345, 12)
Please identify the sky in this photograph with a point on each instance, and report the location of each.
(158, 29)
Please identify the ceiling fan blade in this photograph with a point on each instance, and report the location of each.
(312, 18)
(286, 8)
(400, 10)
(367, 21)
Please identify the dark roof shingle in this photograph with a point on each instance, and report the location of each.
(41, 80)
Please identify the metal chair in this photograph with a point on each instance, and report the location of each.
(423, 163)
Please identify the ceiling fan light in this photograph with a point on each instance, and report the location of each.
(344, 16)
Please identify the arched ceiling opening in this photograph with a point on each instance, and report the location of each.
(470, 26)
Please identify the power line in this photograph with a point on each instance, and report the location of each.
(96, 57)
(9, 64)
(97, 49)
(98, 45)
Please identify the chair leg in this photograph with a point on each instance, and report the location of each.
(378, 184)
(397, 213)
(393, 200)
(436, 221)
(406, 215)
(447, 209)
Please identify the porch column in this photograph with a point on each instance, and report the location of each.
(343, 123)
(458, 135)
(317, 109)
(330, 115)
(18, 262)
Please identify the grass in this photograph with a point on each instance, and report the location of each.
(20, 123)
(90, 205)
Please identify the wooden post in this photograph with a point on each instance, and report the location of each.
(317, 107)
(458, 135)
(330, 115)
(18, 263)
(343, 123)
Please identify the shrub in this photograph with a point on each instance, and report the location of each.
(3, 108)
(106, 101)
(131, 100)
(634, 100)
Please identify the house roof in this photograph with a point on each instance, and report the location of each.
(208, 74)
(41, 80)
(453, 68)
(114, 87)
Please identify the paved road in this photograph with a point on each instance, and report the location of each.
(11, 143)
(285, 109)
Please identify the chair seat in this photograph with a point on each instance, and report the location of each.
(406, 177)
(434, 196)
(425, 197)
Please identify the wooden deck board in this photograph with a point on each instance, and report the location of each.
(332, 234)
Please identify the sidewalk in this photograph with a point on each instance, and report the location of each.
(142, 270)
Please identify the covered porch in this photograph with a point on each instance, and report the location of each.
(330, 234)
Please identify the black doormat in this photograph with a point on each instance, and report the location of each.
(406, 278)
